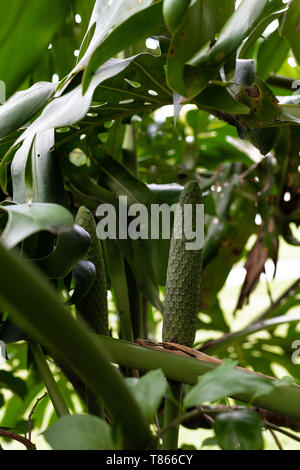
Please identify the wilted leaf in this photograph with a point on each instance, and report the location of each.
(255, 264)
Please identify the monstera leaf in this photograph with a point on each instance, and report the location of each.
(26, 219)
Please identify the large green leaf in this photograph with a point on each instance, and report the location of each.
(22, 106)
(69, 250)
(26, 219)
(106, 16)
(71, 107)
(291, 28)
(12, 383)
(174, 11)
(239, 430)
(202, 20)
(35, 171)
(206, 63)
(29, 28)
(79, 432)
(219, 98)
(149, 392)
(138, 88)
(267, 61)
(124, 25)
(226, 381)
(246, 49)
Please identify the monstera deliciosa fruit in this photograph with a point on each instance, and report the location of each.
(125, 113)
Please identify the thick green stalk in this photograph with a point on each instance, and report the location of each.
(183, 275)
(172, 411)
(93, 307)
(281, 82)
(34, 306)
(49, 381)
(283, 400)
(120, 287)
(182, 296)
(136, 303)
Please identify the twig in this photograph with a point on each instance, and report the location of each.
(176, 422)
(282, 431)
(267, 416)
(270, 294)
(208, 418)
(16, 437)
(31, 414)
(277, 441)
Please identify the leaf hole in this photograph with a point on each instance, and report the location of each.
(127, 101)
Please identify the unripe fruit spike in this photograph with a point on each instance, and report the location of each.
(183, 279)
(93, 307)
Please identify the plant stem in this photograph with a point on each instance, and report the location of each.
(281, 82)
(184, 418)
(183, 369)
(277, 441)
(15, 437)
(172, 412)
(136, 303)
(282, 431)
(49, 381)
(120, 287)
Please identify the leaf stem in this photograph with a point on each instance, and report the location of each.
(172, 416)
(183, 369)
(49, 381)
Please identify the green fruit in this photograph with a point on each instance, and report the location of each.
(93, 307)
(183, 280)
(173, 11)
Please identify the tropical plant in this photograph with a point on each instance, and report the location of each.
(141, 98)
